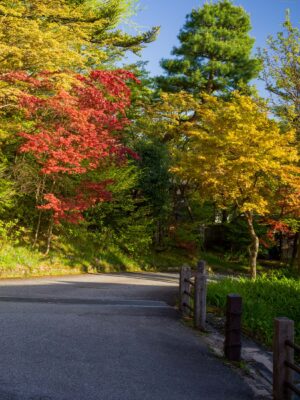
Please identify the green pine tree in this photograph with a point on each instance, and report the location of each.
(214, 54)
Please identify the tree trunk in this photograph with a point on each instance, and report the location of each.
(298, 254)
(36, 236)
(50, 230)
(254, 246)
(224, 216)
(188, 207)
(295, 248)
(280, 247)
(49, 235)
(158, 234)
(38, 197)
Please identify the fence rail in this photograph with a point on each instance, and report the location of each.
(292, 345)
(293, 388)
(190, 282)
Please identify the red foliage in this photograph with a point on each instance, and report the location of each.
(289, 199)
(264, 243)
(70, 209)
(75, 131)
(277, 226)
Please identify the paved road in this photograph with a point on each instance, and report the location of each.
(104, 337)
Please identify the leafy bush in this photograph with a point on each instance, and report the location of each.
(10, 232)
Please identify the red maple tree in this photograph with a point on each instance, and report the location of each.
(75, 132)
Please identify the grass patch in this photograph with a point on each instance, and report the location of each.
(218, 263)
(227, 264)
(171, 259)
(23, 262)
(263, 300)
(81, 255)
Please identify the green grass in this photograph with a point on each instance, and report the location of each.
(218, 263)
(230, 265)
(263, 300)
(81, 254)
(24, 262)
(171, 259)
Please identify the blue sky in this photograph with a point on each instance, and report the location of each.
(266, 17)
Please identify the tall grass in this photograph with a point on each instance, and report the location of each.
(263, 300)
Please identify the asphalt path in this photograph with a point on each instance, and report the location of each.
(105, 337)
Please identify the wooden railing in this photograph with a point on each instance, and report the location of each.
(192, 293)
(192, 303)
(284, 366)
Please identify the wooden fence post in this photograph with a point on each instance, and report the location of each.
(200, 294)
(185, 289)
(283, 331)
(181, 284)
(233, 329)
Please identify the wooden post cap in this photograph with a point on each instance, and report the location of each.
(201, 266)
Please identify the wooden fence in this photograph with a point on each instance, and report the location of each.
(284, 366)
(192, 303)
(192, 295)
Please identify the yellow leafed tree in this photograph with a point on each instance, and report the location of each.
(233, 152)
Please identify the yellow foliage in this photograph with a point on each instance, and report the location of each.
(58, 34)
(244, 155)
(231, 149)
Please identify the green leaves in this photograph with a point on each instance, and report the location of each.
(6, 189)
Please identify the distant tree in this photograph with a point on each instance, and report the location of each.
(154, 179)
(214, 54)
(155, 183)
(126, 221)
